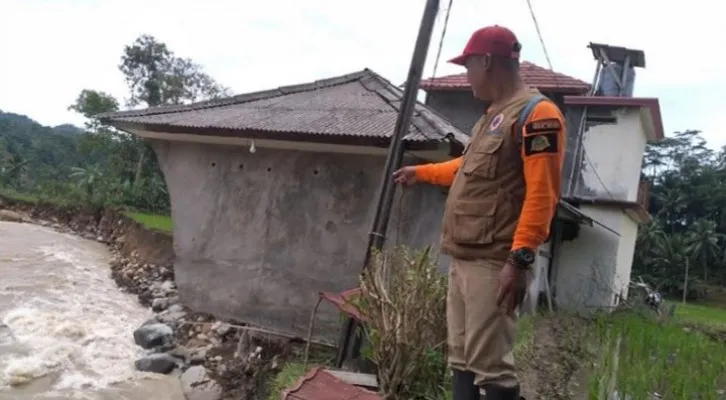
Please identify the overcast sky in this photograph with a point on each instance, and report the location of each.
(52, 49)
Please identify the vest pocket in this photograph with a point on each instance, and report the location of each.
(483, 158)
(473, 221)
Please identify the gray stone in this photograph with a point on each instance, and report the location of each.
(153, 335)
(160, 304)
(176, 308)
(191, 356)
(160, 363)
(10, 216)
(171, 318)
(197, 385)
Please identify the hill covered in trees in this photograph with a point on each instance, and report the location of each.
(97, 164)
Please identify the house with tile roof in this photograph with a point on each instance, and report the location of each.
(273, 192)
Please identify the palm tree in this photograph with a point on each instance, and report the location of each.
(703, 241)
(13, 171)
(649, 240)
(87, 178)
(671, 258)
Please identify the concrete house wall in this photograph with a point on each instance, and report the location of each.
(257, 236)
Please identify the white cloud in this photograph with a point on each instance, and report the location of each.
(50, 50)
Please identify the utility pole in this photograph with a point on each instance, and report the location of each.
(350, 341)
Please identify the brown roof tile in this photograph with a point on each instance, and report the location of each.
(533, 75)
(361, 104)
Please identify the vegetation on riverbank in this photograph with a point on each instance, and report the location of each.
(152, 221)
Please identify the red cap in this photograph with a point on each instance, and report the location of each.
(495, 40)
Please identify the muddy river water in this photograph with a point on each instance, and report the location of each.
(66, 329)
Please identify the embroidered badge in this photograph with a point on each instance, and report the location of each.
(496, 123)
(540, 143)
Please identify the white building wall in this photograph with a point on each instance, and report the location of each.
(614, 156)
(591, 269)
(626, 251)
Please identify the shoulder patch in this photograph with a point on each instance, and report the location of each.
(541, 143)
(543, 125)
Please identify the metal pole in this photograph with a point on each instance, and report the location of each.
(377, 236)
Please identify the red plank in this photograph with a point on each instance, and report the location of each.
(318, 384)
(343, 301)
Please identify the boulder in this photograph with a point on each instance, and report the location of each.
(197, 385)
(153, 335)
(160, 363)
(10, 216)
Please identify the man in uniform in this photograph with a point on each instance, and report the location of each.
(502, 198)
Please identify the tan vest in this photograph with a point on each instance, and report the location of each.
(486, 197)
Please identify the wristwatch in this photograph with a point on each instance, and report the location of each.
(522, 258)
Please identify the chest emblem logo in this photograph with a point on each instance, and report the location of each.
(540, 143)
(496, 123)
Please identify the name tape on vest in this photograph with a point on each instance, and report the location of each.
(543, 125)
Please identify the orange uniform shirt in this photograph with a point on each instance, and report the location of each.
(542, 174)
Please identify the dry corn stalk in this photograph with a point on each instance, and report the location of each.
(403, 296)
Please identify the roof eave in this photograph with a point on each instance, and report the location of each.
(548, 88)
(649, 106)
(449, 140)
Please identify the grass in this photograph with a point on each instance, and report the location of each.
(638, 356)
(525, 336)
(711, 316)
(286, 378)
(294, 369)
(152, 221)
(14, 195)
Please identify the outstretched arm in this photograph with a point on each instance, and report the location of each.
(542, 154)
(442, 173)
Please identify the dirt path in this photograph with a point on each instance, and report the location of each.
(555, 366)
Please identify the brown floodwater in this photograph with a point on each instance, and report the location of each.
(66, 329)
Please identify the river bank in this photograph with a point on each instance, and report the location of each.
(214, 359)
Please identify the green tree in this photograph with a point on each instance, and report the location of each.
(704, 244)
(90, 103)
(688, 203)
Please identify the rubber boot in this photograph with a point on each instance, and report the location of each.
(495, 392)
(462, 386)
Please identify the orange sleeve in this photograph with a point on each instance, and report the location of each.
(543, 144)
(442, 173)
